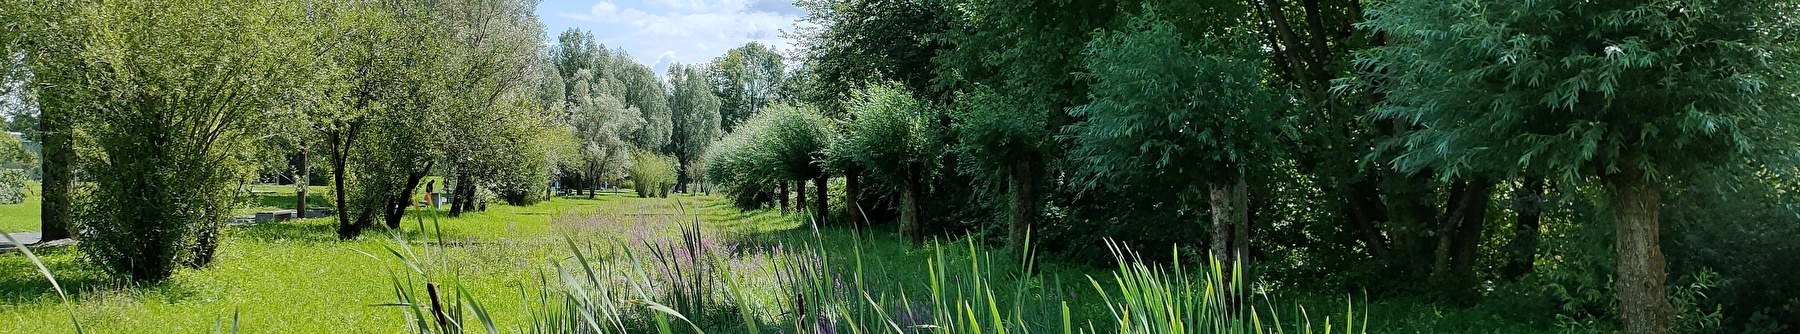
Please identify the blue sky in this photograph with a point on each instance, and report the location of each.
(658, 32)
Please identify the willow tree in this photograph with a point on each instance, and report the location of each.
(1175, 108)
(796, 139)
(1634, 95)
(644, 91)
(1006, 139)
(893, 136)
(383, 102)
(174, 92)
(487, 136)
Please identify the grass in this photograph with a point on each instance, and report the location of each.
(22, 217)
(288, 277)
(297, 277)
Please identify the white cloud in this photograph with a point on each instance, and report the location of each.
(688, 31)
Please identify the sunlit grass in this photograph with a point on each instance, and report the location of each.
(287, 277)
(20, 217)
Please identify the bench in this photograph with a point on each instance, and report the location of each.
(274, 216)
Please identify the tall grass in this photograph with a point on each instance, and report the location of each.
(42, 270)
(695, 282)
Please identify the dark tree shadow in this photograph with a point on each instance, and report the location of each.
(21, 283)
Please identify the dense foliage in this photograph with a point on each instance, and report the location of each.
(652, 175)
(1593, 165)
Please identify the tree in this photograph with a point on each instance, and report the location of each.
(381, 89)
(166, 118)
(696, 118)
(1005, 139)
(645, 92)
(491, 123)
(734, 164)
(1634, 95)
(746, 79)
(891, 134)
(796, 138)
(45, 37)
(1188, 110)
(603, 126)
(12, 180)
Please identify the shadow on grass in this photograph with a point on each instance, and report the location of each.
(20, 282)
(317, 230)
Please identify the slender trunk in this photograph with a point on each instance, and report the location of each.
(1229, 216)
(1292, 47)
(852, 203)
(1315, 23)
(909, 211)
(593, 187)
(1528, 203)
(823, 204)
(1469, 232)
(398, 204)
(1637, 204)
(340, 147)
(59, 174)
(1023, 182)
(781, 198)
(300, 184)
(1440, 264)
(800, 196)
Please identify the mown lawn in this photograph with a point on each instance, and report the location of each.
(22, 217)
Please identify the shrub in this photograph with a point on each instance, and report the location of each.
(652, 174)
(12, 186)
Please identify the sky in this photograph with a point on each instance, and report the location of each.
(658, 32)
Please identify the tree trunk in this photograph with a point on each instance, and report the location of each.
(300, 184)
(593, 187)
(781, 195)
(1528, 203)
(59, 174)
(1465, 246)
(1230, 220)
(823, 204)
(1023, 194)
(800, 196)
(460, 202)
(681, 176)
(398, 204)
(1440, 264)
(852, 201)
(340, 147)
(909, 211)
(1637, 204)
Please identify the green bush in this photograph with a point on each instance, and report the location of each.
(12, 186)
(652, 174)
